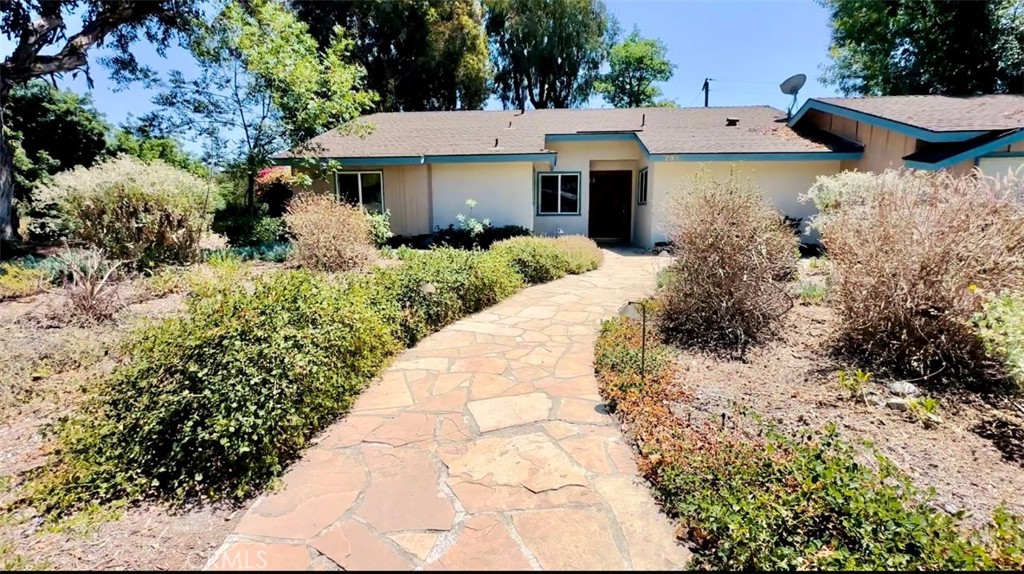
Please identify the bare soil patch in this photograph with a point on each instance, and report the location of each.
(974, 459)
(46, 363)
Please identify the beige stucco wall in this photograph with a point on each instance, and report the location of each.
(1000, 166)
(643, 214)
(406, 194)
(503, 192)
(584, 157)
(782, 182)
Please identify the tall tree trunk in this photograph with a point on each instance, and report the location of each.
(8, 219)
(250, 192)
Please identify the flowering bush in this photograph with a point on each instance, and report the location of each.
(469, 223)
(275, 187)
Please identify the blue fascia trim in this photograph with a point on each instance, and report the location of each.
(491, 158)
(598, 137)
(593, 136)
(417, 160)
(782, 156)
(901, 128)
(359, 161)
(973, 153)
(1003, 154)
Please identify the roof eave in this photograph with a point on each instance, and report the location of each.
(893, 125)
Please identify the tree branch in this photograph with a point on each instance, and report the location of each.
(25, 63)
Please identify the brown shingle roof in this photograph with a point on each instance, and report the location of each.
(761, 129)
(942, 113)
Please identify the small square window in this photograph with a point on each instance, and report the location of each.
(641, 187)
(365, 188)
(559, 193)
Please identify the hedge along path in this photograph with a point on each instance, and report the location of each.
(484, 447)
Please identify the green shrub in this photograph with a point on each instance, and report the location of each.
(244, 229)
(811, 293)
(581, 253)
(464, 237)
(434, 288)
(751, 498)
(775, 503)
(145, 214)
(1000, 326)
(733, 253)
(380, 227)
(215, 402)
(18, 280)
(222, 271)
(538, 259)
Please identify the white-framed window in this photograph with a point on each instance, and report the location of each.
(365, 188)
(558, 193)
(641, 187)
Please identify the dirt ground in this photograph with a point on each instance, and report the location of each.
(46, 363)
(974, 458)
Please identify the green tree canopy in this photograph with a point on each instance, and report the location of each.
(49, 131)
(134, 142)
(418, 54)
(263, 85)
(636, 64)
(950, 47)
(548, 53)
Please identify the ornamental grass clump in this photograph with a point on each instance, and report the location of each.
(912, 255)
(733, 253)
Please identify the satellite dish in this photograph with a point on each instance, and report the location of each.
(791, 87)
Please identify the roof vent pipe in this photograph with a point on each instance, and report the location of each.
(643, 120)
(495, 142)
(729, 122)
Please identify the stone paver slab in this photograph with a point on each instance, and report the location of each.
(484, 544)
(652, 544)
(316, 492)
(570, 539)
(503, 412)
(419, 544)
(403, 492)
(353, 547)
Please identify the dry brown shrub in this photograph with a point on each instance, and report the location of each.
(911, 254)
(733, 251)
(329, 235)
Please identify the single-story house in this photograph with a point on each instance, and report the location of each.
(606, 173)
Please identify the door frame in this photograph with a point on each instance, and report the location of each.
(628, 231)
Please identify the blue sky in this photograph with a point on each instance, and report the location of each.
(746, 46)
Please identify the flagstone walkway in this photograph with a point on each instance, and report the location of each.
(485, 447)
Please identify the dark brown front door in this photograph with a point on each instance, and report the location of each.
(611, 194)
